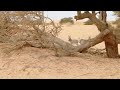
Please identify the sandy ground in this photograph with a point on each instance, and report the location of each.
(36, 63)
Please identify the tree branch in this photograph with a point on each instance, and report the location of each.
(92, 42)
(82, 15)
(92, 16)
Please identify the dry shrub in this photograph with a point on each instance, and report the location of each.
(19, 28)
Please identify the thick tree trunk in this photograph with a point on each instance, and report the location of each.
(111, 45)
(110, 39)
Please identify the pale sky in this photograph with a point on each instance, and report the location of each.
(57, 15)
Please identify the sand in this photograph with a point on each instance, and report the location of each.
(36, 63)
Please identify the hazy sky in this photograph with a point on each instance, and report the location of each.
(61, 14)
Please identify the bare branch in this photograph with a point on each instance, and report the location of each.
(92, 16)
(82, 15)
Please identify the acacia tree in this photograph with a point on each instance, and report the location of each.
(101, 23)
(44, 37)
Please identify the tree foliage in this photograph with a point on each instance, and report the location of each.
(117, 13)
(67, 20)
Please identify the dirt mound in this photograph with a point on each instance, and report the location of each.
(30, 62)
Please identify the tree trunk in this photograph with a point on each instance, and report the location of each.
(110, 39)
(111, 46)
